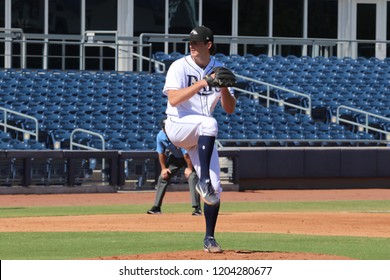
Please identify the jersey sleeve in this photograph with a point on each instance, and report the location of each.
(175, 78)
(160, 148)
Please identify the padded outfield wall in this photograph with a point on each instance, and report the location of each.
(331, 167)
(251, 168)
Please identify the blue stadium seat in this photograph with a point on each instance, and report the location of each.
(283, 138)
(175, 55)
(68, 125)
(51, 126)
(5, 145)
(161, 56)
(309, 135)
(224, 133)
(264, 136)
(110, 134)
(115, 125)
(116, 144)
(297, 138)
(35, 145)
(136, 145)
(96, 143)
(18, 145)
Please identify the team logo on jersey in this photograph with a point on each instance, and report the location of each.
(193, 79)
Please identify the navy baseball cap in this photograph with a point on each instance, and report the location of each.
(201, 34)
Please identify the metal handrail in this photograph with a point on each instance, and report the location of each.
(75, 144)
(367, 115)
(99, 40)
(9, 35)
(112, 40)
(272, 42)
(269, 98)
(25, 131)
(159, 66)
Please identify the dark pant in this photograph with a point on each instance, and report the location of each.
(174, 165)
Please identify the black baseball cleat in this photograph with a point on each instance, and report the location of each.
(207, 193)
(154, 210)
(210, 245)
(197, 211)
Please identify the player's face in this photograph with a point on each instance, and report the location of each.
(199, 48)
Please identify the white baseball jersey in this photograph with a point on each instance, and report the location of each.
(193, 117)
(183, 73)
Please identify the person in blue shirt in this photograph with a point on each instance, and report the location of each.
(172, 159)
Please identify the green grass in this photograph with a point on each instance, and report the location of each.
(316, 206)
(79, 245)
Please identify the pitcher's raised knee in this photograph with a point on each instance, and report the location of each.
(209, 127)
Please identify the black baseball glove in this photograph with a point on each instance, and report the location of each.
(223, 78)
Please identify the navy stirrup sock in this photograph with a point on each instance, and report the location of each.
(211, 215)
(205, 149)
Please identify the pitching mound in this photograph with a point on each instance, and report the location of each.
(226, 255)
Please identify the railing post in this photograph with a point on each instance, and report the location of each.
(141, 49)
(23, 53)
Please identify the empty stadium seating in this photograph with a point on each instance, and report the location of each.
(125, 108)
(101, 102)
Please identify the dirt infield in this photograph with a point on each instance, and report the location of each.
(339, 223)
